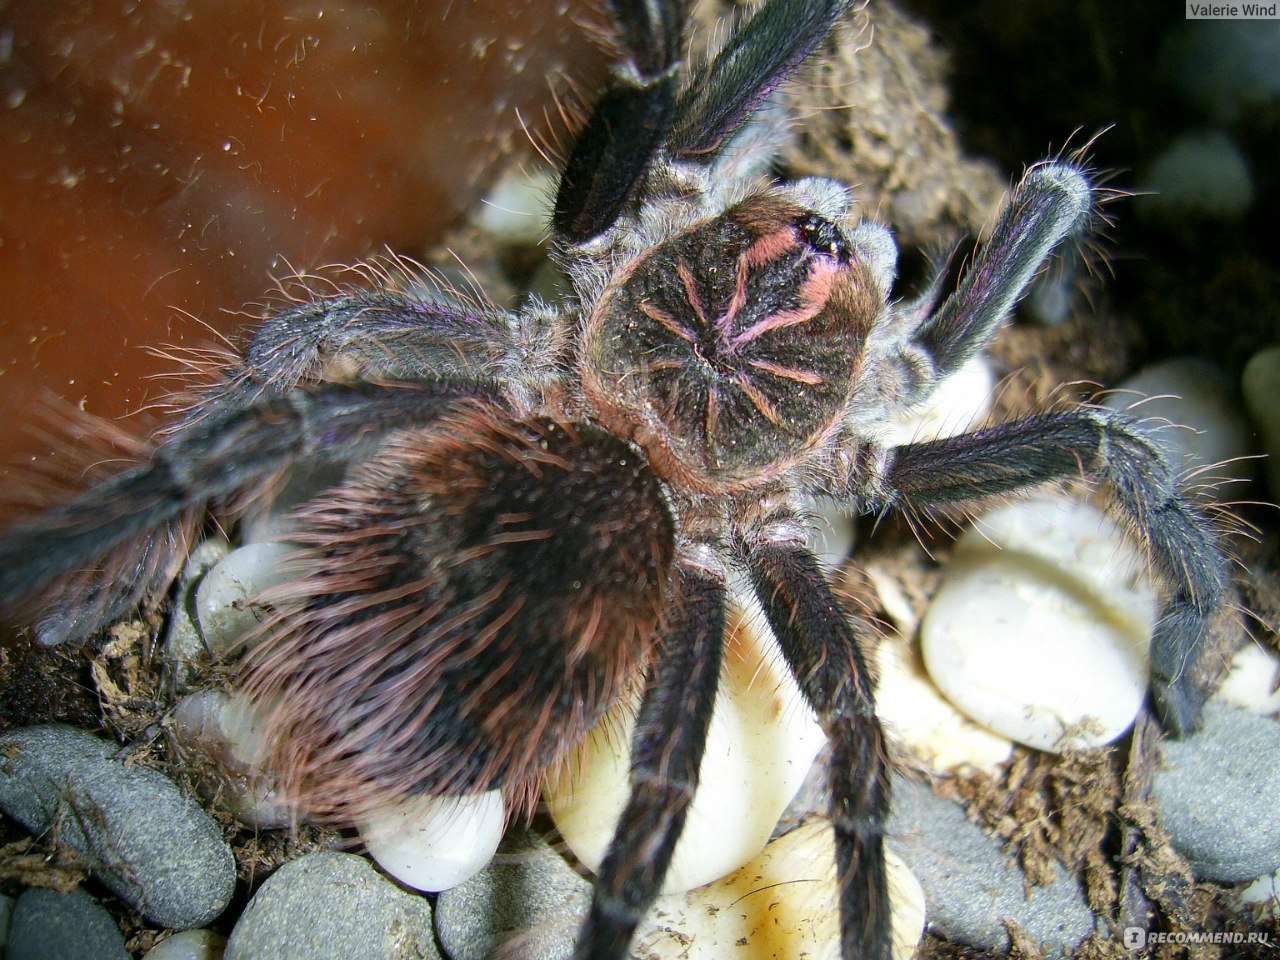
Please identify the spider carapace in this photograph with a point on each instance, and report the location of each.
(541, 508)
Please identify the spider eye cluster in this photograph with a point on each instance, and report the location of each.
(731, 349)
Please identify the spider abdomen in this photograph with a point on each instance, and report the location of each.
(731, 349)
(464, 613)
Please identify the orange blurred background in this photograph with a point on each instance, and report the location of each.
(161, 161)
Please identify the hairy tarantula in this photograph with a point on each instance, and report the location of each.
(543, 507)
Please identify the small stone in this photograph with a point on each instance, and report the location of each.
(959, 404)
(148, 842)
(518, 210)
(226, 732)
(328, 905)
(189, 945)
(1201, 172)
(184, 644)
(48, 925)
(1192, 411)
(1264, 890)
(6, 911)
(1217, 791)
(1253, 680)
(781, 905)
(762, 741)
(1041, 628)
(527, 897)
(434, 843)
(1260, 384)
(831, 533)
(224, 599)
(916, 715)
(970, 886)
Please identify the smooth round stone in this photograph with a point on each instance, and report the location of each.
(147, 841)
(1201, 172)
(1263, 890)
(1041, 628)
(1216, 793)
(328, 905)
(960, 403)
(47, 925)
(762, 741)
(1260, 384)
(518, 209)
(223, 599)
(1253, 680)
(916, 715)
(434, 843)
(781, 905)
(184, 644)
(229, 731)
(189, 945)
(528, 902)
(1192, 412)
(971, 888)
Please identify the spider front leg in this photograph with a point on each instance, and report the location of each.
(118, 542)
(822, 650)
(666, 752)
(1056, 446)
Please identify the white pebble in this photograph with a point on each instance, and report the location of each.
(781, 905)
(434, 843)
(1252, 681)
(223, 597)
(1201, 172)
(1261, 387)
(1042, 626)
(189, 945)
(517, 209)
(1204, 426)
(229, 730)
(762, 741)
(1264, 890)
(960, 403)
(916, 715)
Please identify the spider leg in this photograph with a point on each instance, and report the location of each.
(213, 457)
(628, 124)
(1105, 446)
(822, 650)
(760, 54)
(667, 747)
(1052, 202)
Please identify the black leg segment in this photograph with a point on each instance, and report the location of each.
(823, 653)
(666, 752)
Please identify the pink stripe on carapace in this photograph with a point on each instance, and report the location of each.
(725, 323)
(759, 399)
(814, 295)
(668, 321)
(691, 289)
(788, 373)
(771, 246)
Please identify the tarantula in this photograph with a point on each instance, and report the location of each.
(542, 507)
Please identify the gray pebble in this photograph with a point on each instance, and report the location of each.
(970, 887)
(147, 841)
(1217, 795)
(6, 909)
(528, 892)
(328, 905)
(48, 925)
